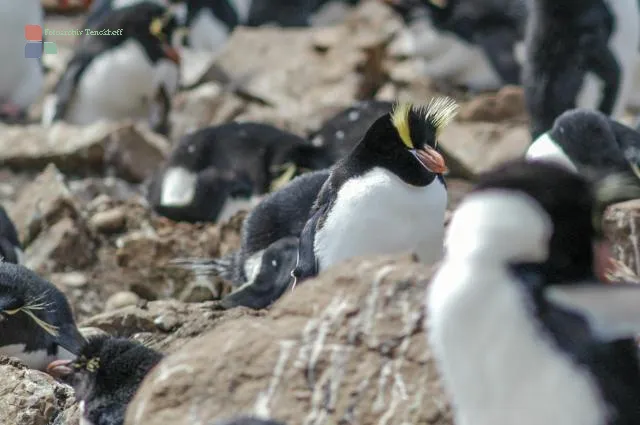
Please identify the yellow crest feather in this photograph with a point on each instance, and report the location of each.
(439, 113)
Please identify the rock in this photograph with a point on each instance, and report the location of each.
(131, 151)
(90, 332)
(622, 224)
(43, 202)
(69, 280)
(473, 148)
(346, 347)
(31, 397)
(120, 300)
(507, 104)
(110, 221)
(165, 325)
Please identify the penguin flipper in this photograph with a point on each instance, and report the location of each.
(8, 251)
(498, 45)
(307, 263)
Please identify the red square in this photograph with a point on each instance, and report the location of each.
(33, 32)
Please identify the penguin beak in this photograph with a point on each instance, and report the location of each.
(171, 53)
(59, 369)
(603, 259)
(430, 159)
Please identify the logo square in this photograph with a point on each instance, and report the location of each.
(50, 48)
(33, 32)
(33, 50)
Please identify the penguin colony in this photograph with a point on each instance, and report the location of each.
(523, 262)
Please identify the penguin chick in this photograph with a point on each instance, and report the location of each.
(512, 284)
(105, 376)
(261, 268)
(132, 74)
(388, 195)
(341, 133)
(10, 248)
(579, 54)
(588, 142)
(36, 323)
(262, 155)
(21, 79)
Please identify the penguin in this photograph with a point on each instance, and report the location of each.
(105, 376)
(388, 195)
(589, 142)
(21, 78)
(518, 278)
(255, 157)
(36, 323)
(10, 247)
(579, 54)
(115, 77)
(469, 43)
(342, 132)
(260, 270)
(99, 9)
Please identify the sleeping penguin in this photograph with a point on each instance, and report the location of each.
(589, 142)
(388, 195)
(21, 79)
(470, 43)
(579, 54)
(261, 268)
(10, 247)
(244, 158)
(116, 77)
(105, 376)
(36, 323)
(518, 284)
(342, 132)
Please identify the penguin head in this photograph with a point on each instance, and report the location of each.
(571, 206)
(405, 141)
(106, 367)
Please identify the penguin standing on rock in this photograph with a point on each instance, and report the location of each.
(589, 142)
(21, 79)
(36, 323)
(388, 195)
(518, 283)
(10, 248)
(132, 73)
(579, 54)
(261, 268)
(212, 165)
(105, 376)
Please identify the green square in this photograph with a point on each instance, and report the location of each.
(50, 48)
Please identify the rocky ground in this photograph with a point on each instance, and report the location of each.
(347, 347)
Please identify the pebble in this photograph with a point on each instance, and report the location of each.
(70, 279)
(110, 221)
(166, 322)
(120, 300)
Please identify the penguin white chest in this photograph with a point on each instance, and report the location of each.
(207, 32)
(377, 213)
(37, 359)
(495, 361)
(119, 83)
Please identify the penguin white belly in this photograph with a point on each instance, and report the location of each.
(118, 84)
(545, 149)
(207, 32)
(378, 213)
(242, 7)
(38, 359)
(495, 362)
(21, 79)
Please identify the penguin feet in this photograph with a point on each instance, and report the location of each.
(12, 113)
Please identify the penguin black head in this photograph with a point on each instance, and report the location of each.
(151, 24)
(106, 374)
(575, 208)
(35, 318)
(405, 141)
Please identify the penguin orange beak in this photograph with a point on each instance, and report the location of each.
(430, 159)
(171, 53)
(59, 368)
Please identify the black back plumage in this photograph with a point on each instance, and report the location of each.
(564, 41)
(494, 25)
(569, 201)
(342, 132)
(27, 303)
(8, 238)
(107, 374)
(135, 22)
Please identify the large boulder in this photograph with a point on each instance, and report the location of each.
(346, 347)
